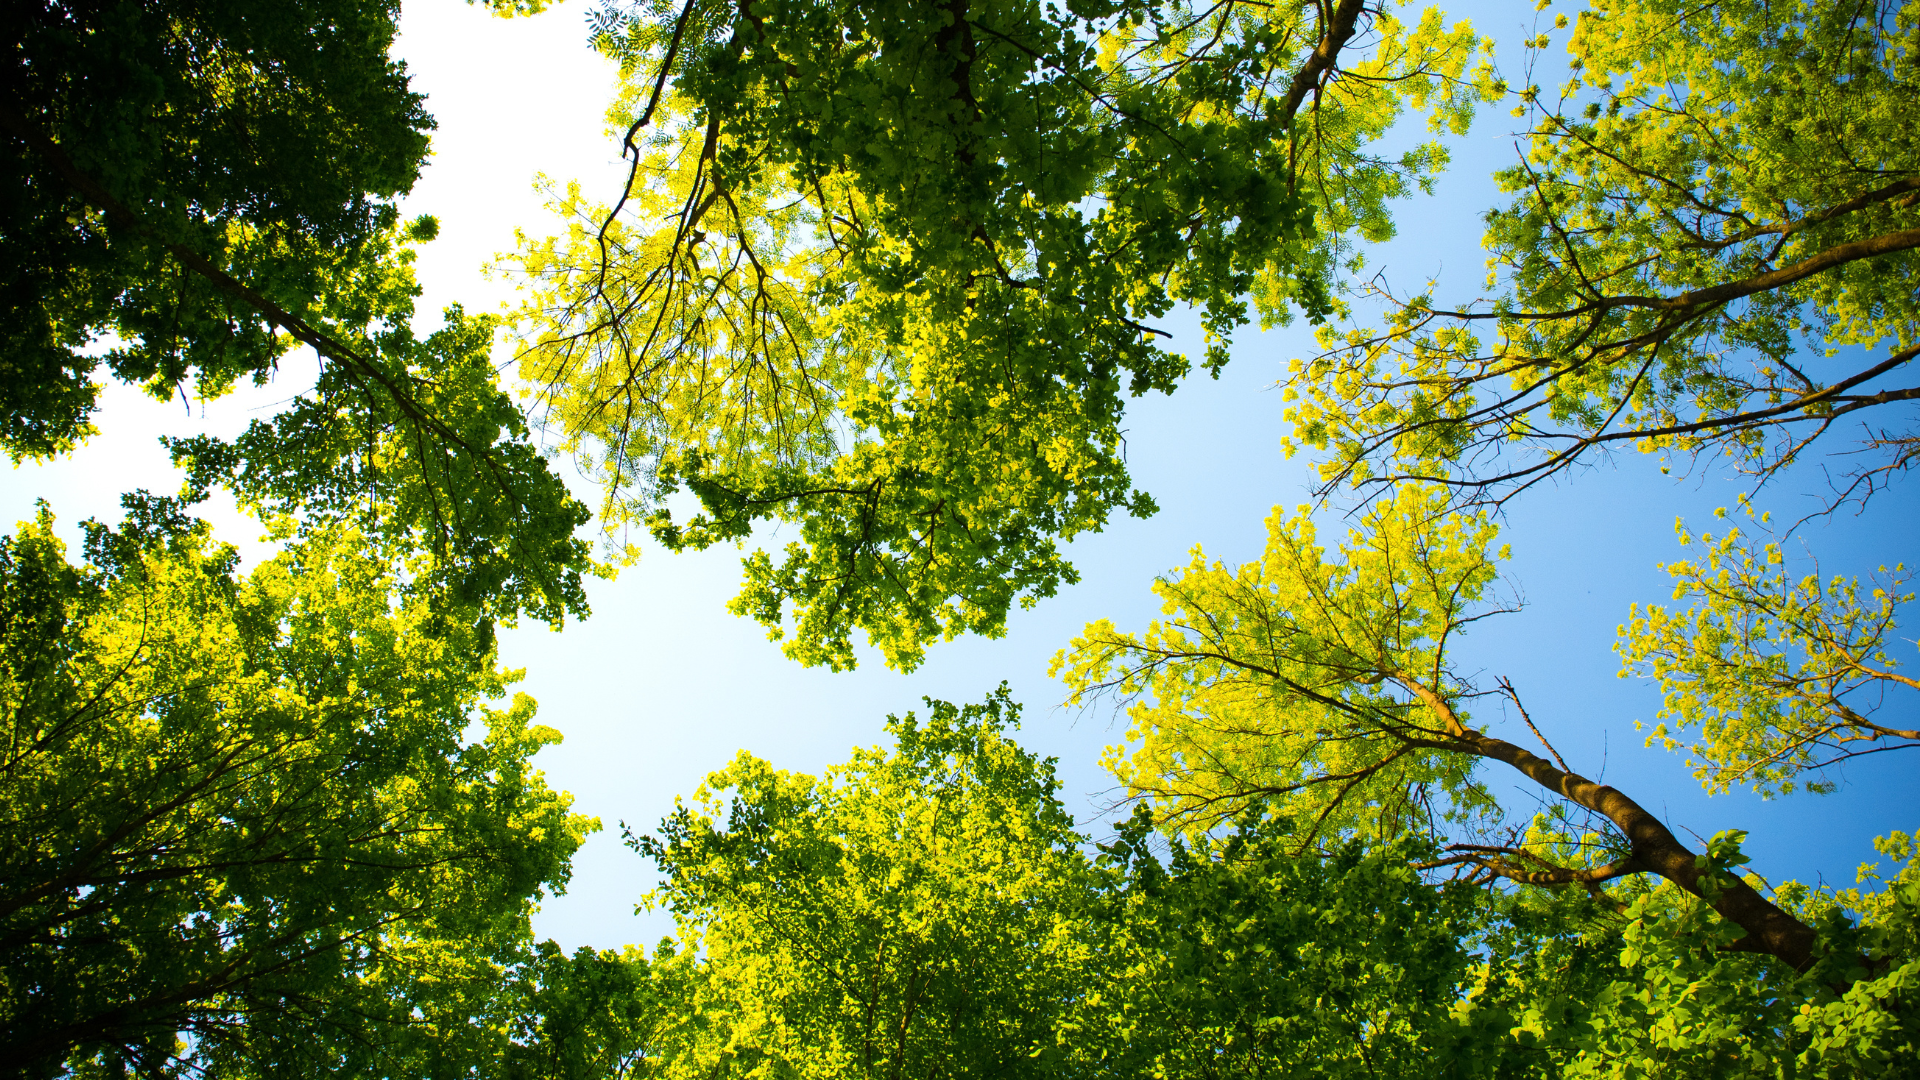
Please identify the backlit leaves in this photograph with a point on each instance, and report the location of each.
(1768, 674)
(890, 271)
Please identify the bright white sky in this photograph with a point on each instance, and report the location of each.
(662, 685)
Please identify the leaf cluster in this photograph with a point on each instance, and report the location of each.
(192, 193)
(909, 913)
(273, 145)
(1776, 676)
(930, 910)
(244, 826)
(1282, 684)
(1712, 228)
(890, 272)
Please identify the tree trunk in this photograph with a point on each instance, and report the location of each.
(1653, 845)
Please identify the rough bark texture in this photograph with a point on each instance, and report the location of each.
(1655, 848)
(1339, 29)
(1652, 846)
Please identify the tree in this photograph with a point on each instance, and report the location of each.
(1321, 690)
(1240, 956)
(1712, 240)
(1318, 690)
(876, 925)
(884, 270)
(243, 829)
(1781, 677)
(911, 913)
(193, 189)
(931, 911)
(255, 142)
(1566, 987)
(595, 1015)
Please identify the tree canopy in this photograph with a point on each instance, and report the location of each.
(1710, 249)
(911, 913)
(240, 811)
(1782, 677)
(1321, 690)
(194, 189)
(248, 829)
(891, 273)
(931, 910)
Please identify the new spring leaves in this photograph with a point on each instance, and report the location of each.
(890, 272)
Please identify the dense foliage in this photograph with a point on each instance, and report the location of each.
(193, 189)
(889, 272)
(1782, 676)
(1710, 249)
(266, 145)
(240, 810)
(913, 913)
(931, 910)
(248, 830)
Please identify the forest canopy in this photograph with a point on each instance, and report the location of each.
(890, 276)
(195, 189)
(891, 272)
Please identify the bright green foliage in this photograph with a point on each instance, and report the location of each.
(888, 271)
(519, 1011)
(911, 913)
(1282, 683)
(449, 467)
(243, 810)
(1681, 1006)
(1873, 1025)
(191, 190)
(931, 912)
(595, 1015)
(1768, 676)
(1321, 692)
(1573, 990)
(1240, 957)
(1682, 1010)
(1316, 694)
(1720, 199)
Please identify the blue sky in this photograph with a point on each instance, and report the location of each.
(661, 685)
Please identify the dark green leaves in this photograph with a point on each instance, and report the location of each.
(206, 188)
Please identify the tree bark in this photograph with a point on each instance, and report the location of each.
(1654, 847)
(1650, 843)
